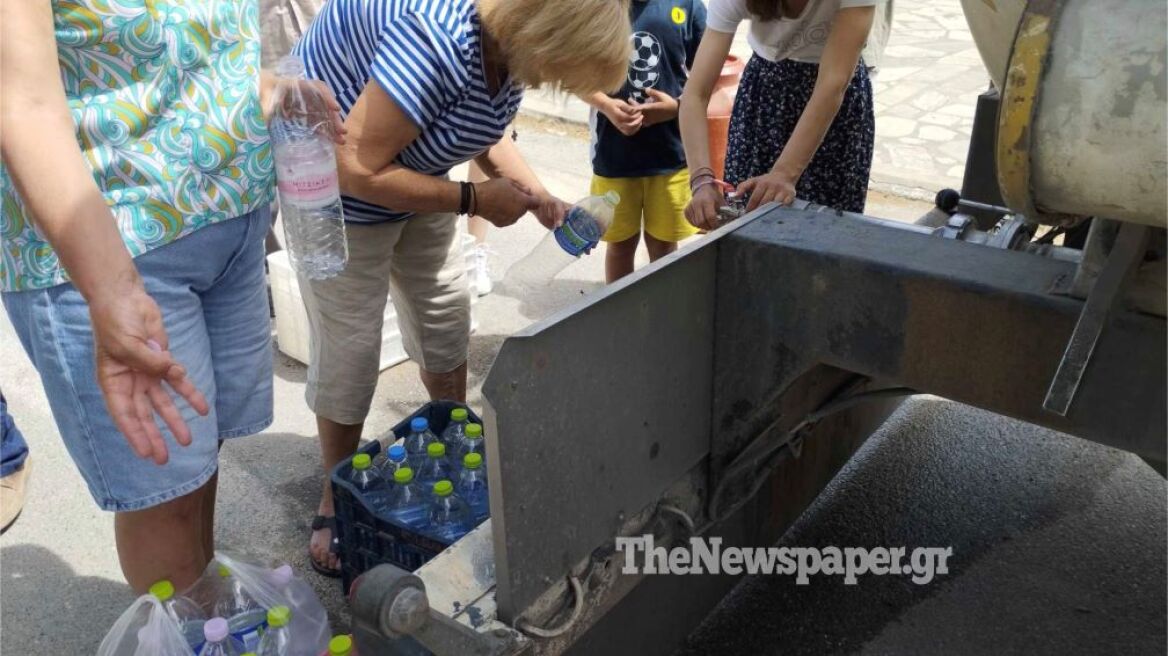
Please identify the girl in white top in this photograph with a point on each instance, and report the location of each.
(802, 123)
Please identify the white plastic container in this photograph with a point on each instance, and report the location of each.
(292, 319)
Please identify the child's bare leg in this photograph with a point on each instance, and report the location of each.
(477, 225)
(619, 256)
(657, 248)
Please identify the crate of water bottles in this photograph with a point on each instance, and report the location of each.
(404, 498)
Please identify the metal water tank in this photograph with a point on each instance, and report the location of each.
(1082, 126)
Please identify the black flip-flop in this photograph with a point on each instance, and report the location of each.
(320, 522)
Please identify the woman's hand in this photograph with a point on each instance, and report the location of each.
(776, 186)
(661, 109)
(551, 211)
(702, 210)
(502, 201)
(132, 362)
(626, 118)
(312, 90)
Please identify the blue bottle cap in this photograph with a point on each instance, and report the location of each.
(419, 424)
(397, 452)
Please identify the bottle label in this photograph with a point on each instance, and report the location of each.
(250, 637)
(572, 242)
(313, 190)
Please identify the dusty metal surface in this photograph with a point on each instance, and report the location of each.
(592, 413)
(459, 581)
(974, 324)
(1082, 128)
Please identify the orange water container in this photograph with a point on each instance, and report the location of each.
(719, 109)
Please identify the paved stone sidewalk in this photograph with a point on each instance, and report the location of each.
(925, 95)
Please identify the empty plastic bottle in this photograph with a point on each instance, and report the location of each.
(277, 640)
(436, 468)
(416, 442)
(472, 487)
(581, 230)
(185, 612)
(407, 501)
(472, 442)
(450, 517)
(246, 618)
(219, 639)
(395, 459)
(452, 435)
(306, 175)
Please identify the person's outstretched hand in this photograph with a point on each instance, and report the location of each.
(132, 363)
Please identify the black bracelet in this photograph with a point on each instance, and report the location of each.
(464, 190)
(474, 199)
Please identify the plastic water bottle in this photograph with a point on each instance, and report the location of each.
(581, 230)
(407, 501)
(368, 480)
(395, 459)
(277, 640)
(306, 175)
(417, 441)
(472, 487)
(449, 515)
(436, 468)
(454, 430)
(246, 619)
(184, 611)
(219, 639)
(472, 442)
(300, 596)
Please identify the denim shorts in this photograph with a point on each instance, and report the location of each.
(210, 288)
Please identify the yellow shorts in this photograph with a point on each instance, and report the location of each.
(661, 199)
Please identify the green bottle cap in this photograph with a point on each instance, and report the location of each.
(443, 488)
(474, 431)
(403, 476)
(458, 414)
(163, 590)
(362, 461)
(279, 616)
(223, 571)
(612, 198)
(472, 460)
(436, 450)
(341, 645)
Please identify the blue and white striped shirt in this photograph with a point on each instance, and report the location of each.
(427, 56)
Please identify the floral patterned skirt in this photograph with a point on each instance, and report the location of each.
(771, 98)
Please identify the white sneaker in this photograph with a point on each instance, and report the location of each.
(480, 279)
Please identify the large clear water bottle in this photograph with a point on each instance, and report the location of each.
(453, 432)
(395, 459)
(306, 175)
(184, 611)
(581, 230)
(245, 617)
(277, 640)
(450, 516)
(472, 442)
(472, 486)
(417, 441)
(407, 501)
(436, 468)
(219, 639)
(368, 480)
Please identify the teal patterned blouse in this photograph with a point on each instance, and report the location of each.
(165, 95)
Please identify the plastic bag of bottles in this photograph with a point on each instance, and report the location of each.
(269, 588)
(145, 629)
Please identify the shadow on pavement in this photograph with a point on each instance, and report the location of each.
(48, 607)
(541, 302)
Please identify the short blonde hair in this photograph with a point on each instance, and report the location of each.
(576, 46)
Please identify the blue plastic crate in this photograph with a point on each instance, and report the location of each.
(367, 540)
